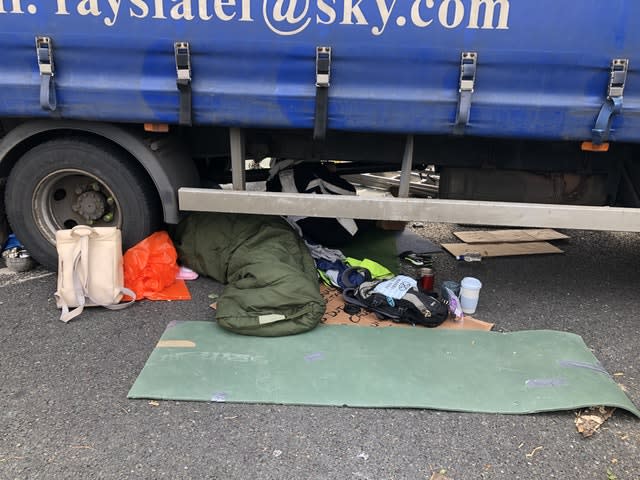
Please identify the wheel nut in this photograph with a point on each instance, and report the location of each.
(95, 186)
(108, 217)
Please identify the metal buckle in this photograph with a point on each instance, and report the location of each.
(618, 78)
(323, 66)
(468, 63)
(183, 61)
(44, 52)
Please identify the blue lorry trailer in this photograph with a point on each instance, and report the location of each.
(122, 112)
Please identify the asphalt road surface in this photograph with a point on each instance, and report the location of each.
(64, 411)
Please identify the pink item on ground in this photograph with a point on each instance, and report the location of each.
(186, 274)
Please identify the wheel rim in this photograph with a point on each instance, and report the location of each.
(70, 197)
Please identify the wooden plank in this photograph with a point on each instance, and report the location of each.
(511, 236)
(501, 249)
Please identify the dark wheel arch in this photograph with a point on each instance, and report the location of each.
(164, 158)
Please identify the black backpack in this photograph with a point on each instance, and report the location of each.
(415, 307)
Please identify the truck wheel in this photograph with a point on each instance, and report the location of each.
(66, 182)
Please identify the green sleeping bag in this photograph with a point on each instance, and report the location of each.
(271, 281)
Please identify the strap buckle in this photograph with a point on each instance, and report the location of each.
(468, 64)
(183, 61)
(323, 66)
(618, 77)
(44, 51)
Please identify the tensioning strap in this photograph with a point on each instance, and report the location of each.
(323, 74)
(600, 133)
(183, 82)
(44, 55)
(48, 99)
(468, 64)
(613, 105)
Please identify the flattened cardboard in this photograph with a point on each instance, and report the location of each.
(511, 236)
(500, 249)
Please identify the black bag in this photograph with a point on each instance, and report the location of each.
(415, 307)
(292, 177)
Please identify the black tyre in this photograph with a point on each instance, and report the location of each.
(66, 182)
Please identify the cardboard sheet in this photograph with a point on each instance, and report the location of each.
(511, 236)
(501, 249)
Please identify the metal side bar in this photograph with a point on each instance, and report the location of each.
(412, 209)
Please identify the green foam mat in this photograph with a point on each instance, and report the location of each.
(470, 371)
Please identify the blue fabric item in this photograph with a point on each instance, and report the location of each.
(340, 267)
(12, 242)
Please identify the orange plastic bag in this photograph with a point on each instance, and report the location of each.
(150, 269)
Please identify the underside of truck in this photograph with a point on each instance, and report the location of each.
(504, 113)
(60, 174)
(468, 168)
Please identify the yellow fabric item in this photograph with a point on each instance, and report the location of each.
(377, 270)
